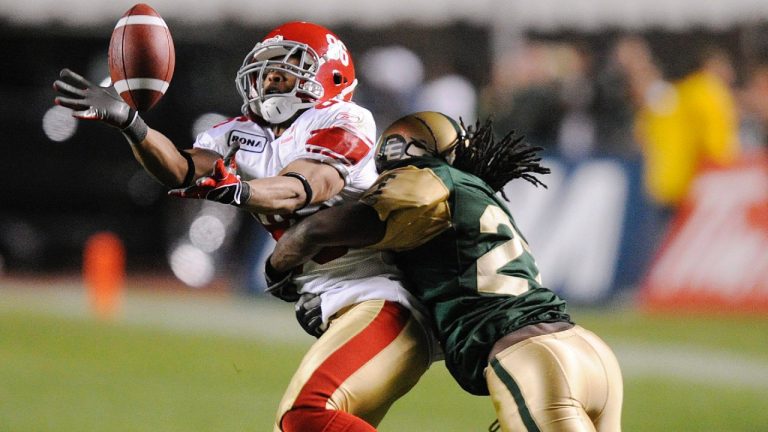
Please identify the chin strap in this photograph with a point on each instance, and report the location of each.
(278, 109)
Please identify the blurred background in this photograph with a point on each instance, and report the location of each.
(652, 115)
(628, 101)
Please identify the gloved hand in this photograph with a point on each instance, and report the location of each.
(280, 284)
(223, 186)
(309, 314)
(91, 102)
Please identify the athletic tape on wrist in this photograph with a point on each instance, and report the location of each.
(136, 130)
(307, 187)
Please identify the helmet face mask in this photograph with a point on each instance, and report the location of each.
(425, 133)
(315, 57)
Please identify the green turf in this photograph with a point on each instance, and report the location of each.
(671, 405)
(76, 374)
(731, 332)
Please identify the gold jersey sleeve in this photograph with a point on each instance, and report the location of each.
(414, 204)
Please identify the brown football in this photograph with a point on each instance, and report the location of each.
(141, 57)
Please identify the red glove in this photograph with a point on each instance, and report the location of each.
(223, 186)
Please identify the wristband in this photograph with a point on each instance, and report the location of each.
(245, 193)
(307, 187)
(190, 169)
(136, 130)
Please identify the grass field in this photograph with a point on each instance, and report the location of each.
(194, 363)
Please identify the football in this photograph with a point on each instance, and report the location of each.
(141, 57)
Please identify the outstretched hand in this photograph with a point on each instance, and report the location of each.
(90, 101)
(223, 186)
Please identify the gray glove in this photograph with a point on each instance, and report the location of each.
(91, 102)
(309, 314)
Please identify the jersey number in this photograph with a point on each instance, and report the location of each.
(489, 280)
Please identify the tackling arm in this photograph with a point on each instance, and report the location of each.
(352, 225)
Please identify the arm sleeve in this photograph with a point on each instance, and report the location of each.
(414, 204)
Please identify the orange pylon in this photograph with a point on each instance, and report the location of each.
(104, 273)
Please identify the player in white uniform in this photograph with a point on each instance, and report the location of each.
(339, 134)
(300, 145)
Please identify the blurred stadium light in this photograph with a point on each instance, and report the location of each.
(58, 123)
(206, 121)
(393, 68)
(191, 265)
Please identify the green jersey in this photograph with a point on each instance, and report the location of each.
(463, 258)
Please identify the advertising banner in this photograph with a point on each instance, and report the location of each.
(715, 257)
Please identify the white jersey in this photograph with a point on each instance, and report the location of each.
(341, 134)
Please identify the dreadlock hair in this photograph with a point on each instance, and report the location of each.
(498, 162)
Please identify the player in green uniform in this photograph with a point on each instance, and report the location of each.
(502, 331)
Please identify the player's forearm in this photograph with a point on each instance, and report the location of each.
(161, 159)
(301, 183)
(275, 195)
(294, 249)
